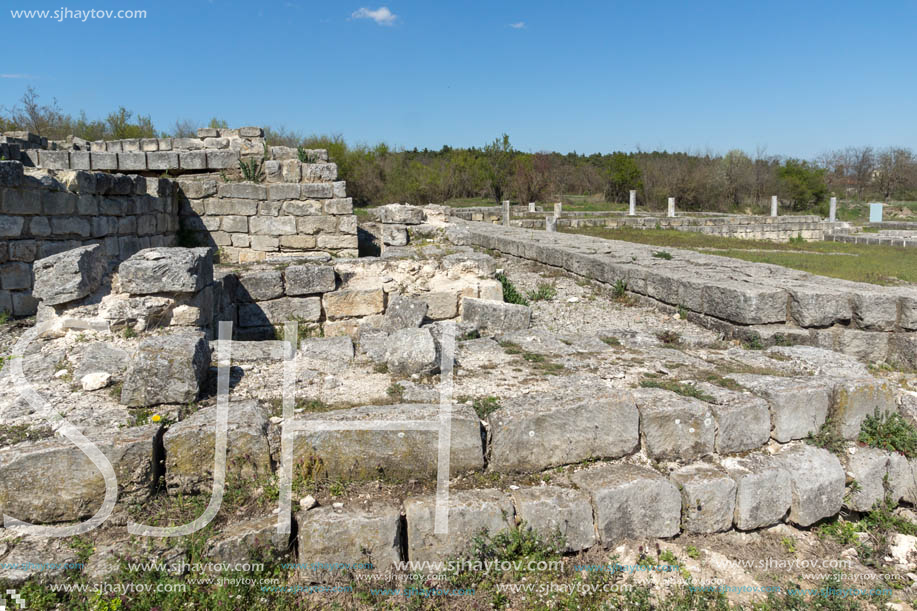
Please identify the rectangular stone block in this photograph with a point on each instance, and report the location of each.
(335, 242)
(297, 242)
(310, 225)
(216, 143)
(11, 226)
(132, 161)
(708, 497)
(58, 202)
(852, 400)
(272, 225)
(349, 303)
(763, 493)
(280, 191)
(319, 172)
(222, 159)
(279, 311)
(54, 160)
(356, 536)
(218, 207)
(630, 502)
(79, 160)
(149, 145)
(131, 145)
(103, 161)
(743, 420)
(551, 510)
(187, 144)
(265, 243)
(162, 160)
(674, 427)
(798, 406)
(113, 146)
(317, 190)
(817, 482)
(309, 279)
(338, 206)
(192, 160)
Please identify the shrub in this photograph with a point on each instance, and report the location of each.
(890, 432)
(252, 170)
(510, 294)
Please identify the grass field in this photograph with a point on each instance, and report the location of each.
(857, 262)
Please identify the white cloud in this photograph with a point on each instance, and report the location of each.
(519, 25)
(17, 76)
(382, 16)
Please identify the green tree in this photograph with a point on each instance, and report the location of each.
(621, 175)
(120, 126)
(802, 183)
(499, 156)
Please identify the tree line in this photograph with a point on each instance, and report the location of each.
(379, 174)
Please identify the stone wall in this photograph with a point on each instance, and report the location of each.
(46, 212)
(763, 303)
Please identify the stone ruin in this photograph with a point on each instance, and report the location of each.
(556, 412)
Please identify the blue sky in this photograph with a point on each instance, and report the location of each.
(795, 77)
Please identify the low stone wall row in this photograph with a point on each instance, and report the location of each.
(779, 228)
(906, 239)
(46, 213)
(766, 303)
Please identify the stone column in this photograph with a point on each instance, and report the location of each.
(632, 211)
(558, 208)
(773, 205)
(531, 206)
(550, 223)
(506, 213)
(832, 210)
(671, 207)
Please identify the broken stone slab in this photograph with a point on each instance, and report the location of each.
(763, 493)
(54, 481)
(373, 343)
(630, 502)
(708, 498)
(394, 235)
(353, 302)
(166, 270)
(585, 420)
(189, 446)
(495, 317)
(69, 275)
(140, 313)
(412, 351)
(551, 511)
(401, 214)
(798, 406)
(470, 513)
(309, 279)
(743, 420)
(167, 369)
(384, 447)
(868, 467)
(674, 427)
(329, 349)
(816, 481)
(102, 357)
(254, 539)
(855, 399)
(330, 538)
(902, 478)
(404, 313)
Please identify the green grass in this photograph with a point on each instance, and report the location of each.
(858, 262)
(483, 406)
(544, 292)
(686, 390)
(510, 293)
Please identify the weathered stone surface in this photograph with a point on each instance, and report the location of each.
(401, 214)
(348, 303)
(189, 446)
(248, 540)
(309, 279)
(855, 399)
(551, 511)
(818, 307)
(630, 502)
(441, 305)
(54, 481)
(328, 349)
(360, 536)
(95, 381)
(102, 357)
(469, 512)
(764, 491)
(69, 275)
(816, 482)
(140, 313)
(674, 427)
(495, 317)
(708, 498)
(868, 468)
(397, 453)
(798, 406)
(167, 369)
(902, 478)
(260, 285)
(394, 235)
(743, 420)
(254, 351)
(166, 270)
(279, 311)
(411, 351)
(584, 420)
(404, 312)
(373, 343)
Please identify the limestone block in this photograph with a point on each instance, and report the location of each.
(630, 502)
(192, 160)
(259, 285)
(132, 162)
(166, 270)
(222, 159)
(816, 482)
(162, 160)
(357, 536)
(319, 172)
(868, 467)
(348, 303)
(855, 399)
(674, 427)
(743, 420)
(411, 351)
(272, 225)
(54, 160)
(67, 276)
(708, 498)
(283, 190)
(764, 490)
(495, 317)
(167, 369)
(469, 513)
(551, 510)
(279, 311)
(798, 406)
(318, 190)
